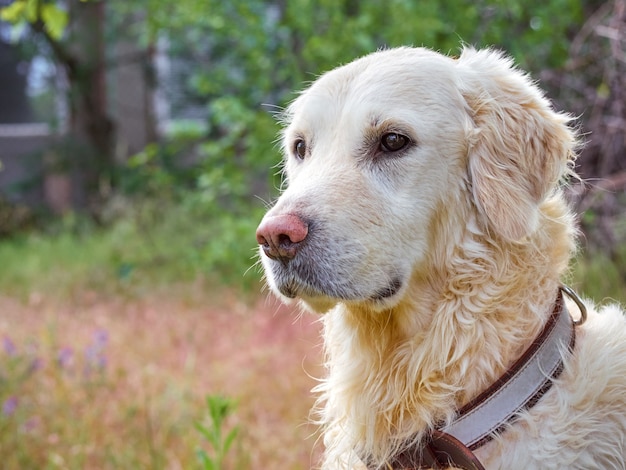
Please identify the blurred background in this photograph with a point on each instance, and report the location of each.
(137, 156)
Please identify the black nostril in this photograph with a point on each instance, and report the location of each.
(284, 240)
(281, 235)
(281, 248)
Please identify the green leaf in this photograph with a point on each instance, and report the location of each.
(204, 431)
(230, 439)
(209, 435)
(31, 10)
(603, 91)
(55, 20)
(14, 13)
(206, 461)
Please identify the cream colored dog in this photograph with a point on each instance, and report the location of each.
(423, 216)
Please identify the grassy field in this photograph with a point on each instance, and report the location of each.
(101, 382)
(110, 348)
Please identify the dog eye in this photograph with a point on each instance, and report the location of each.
(392, 142)
(299, 149)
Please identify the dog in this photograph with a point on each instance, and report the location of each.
(424, 216)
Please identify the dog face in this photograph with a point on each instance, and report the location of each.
(380, 151)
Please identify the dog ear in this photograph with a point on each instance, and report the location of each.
(519, 147)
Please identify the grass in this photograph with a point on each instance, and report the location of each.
(152, 246)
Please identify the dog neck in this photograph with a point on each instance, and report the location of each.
(460, 326)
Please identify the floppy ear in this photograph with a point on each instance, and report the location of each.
(519, 147)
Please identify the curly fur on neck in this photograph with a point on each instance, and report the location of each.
(393, 376)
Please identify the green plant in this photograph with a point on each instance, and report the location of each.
(219, 409)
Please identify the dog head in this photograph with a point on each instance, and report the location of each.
(390, 155)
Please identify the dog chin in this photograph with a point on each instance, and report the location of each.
(324, 304)
(313, 301)
(319, 305)
(318, 301)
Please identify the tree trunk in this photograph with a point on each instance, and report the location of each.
(90, 124)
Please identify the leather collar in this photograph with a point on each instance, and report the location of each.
(518, 389)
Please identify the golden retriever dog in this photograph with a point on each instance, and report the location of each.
(424, 217)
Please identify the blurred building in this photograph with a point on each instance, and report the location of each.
(34, 120)
(22, 137)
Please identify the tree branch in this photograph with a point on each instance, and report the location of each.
(58, 49)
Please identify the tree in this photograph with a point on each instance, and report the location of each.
(72, 32)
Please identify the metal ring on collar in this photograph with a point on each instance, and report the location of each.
(579, 303)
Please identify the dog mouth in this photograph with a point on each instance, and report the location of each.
(295, 288)
(289, 290)
(392, 289)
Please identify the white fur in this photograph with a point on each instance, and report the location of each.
(469, 229)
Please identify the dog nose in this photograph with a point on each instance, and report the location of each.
(281, 236)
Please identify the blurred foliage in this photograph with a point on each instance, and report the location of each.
(245, 59)
(148, 245)
(202, 188)
(14, 218)
(260, 47)
(22, 12)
